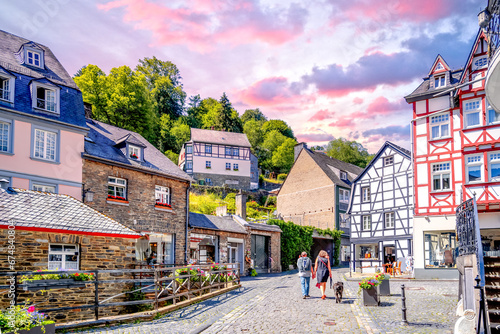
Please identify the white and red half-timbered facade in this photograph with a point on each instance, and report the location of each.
(456, 155)
(219, 158)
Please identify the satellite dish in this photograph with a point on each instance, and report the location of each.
(492, 82)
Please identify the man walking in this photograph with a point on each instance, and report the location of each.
(304, 265)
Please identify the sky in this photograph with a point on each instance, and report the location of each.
(329, 68)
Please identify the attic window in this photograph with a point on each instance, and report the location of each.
(439, 67)
(439, 82)
(134, 152)
(343, 175)
(34, 58)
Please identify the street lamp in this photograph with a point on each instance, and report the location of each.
(4, 183)
(87, 194)
(484, 18)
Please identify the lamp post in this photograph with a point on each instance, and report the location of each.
(87, 194)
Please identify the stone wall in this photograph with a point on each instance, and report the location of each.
(275, 244)
(139, 212)
(219, 180)
(96, 252)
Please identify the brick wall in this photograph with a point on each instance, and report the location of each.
(140, 213)
(308, 196)
(95, 252)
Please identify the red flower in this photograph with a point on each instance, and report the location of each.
(77, 274)
(92, 274)
(31, 309)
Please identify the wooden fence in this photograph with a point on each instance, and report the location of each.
(161, 283)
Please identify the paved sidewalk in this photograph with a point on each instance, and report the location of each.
(273, 304)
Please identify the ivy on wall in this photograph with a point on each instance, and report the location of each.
(296, 239)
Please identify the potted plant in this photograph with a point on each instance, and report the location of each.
(25, 320)
(384, 289)
(368, 287)
(42, 281)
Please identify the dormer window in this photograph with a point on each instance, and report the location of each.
(439, 82)
(45, 97)
(134, 152)
(439, 67)
(343, 175)
(34, 58)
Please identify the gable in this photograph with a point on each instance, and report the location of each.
(439, 66)
(478, 51)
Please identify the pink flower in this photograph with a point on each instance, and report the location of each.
(31, 309)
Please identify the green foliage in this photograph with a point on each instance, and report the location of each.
(174, 157)
(40, 276)
(137, 295)
(296, 239)
(282, 177)
(181, 134)
(20, 317)
(349, 151)
(255, 135)
(253, 272)
(369, 283)
(230, 201)
(278, 125)
(206, 204)
(253, 115)
(283, 158)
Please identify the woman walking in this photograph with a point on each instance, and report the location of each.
(322, 270)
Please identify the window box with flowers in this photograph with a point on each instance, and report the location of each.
(368, 287)
(163, 206)
(25, 320)
(134, 156)
(42, 281)
(117, 199)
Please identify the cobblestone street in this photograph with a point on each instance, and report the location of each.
(273, 304)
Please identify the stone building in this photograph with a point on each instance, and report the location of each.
(58, 232)
(219, 158)
(140, 187)
(316, 193)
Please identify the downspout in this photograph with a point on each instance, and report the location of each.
(187, 224)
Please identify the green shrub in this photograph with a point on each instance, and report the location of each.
(253, 273)
(137, 295)
(282, 177)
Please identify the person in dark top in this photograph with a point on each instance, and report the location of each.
(322, 271)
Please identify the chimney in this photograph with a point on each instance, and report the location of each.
(296, 150)
(88, 110)
(241, 205)
(221, 210)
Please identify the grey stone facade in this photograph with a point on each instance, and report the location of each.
(219, 180)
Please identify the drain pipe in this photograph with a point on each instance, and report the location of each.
(187, 224)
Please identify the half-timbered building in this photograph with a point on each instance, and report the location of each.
(381, 209)
(456, 145)
(218, 158)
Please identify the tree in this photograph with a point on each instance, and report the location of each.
(349, 151)
(255, 135)
(181, 133)
(283, 157)
(92, 81)
(278, 125)
(253, 114)
(218, 115)
(272, 141)
(174, 157)
(164, 83)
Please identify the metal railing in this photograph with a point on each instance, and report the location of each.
(163, 283)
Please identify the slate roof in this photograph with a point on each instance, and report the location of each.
(221, 223)
(54, 211)
(103, 145)
(54, 71)
(324, 161)
(264, 227)
(219, 137)
(424, 88)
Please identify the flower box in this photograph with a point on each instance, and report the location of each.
(371, 297)
(48, 284)
(384, 289)
(163, 205)
(49, 329)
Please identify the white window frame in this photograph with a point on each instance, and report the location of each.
(493, 158)
(37, 186)
(10, 130)
(389, 219)
(236, 167)
(474, 160)
(116, 183)
(236, 152)
(343, 175)
(132, 149)
(162, 195)
(10, 80)
(365, 194)
(440, 80)
(189, 165)
(472, 107)
(64, 252)
(34, 97)
(480, 63)
(389, 160)
(440, 121)
(344, 195)
(208, 149)
(228, 151)
(32, 52)
(189, 149)
(489, 112)
(40, 148)
(208, 164)
(441, 169)
(228, 166)
(366, 223)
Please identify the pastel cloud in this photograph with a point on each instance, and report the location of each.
(391, 132)
(201, 25)
(270, 91)
(314, 137)
(321, 115)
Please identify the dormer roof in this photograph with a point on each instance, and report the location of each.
(439, 66)
(130, 139)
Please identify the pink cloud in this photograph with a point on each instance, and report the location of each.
(382, 106)
(271, 91)
(343, 122)
(321, 115)
(201, 25)
(314, 137)
(357, 100)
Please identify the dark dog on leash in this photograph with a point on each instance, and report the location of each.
(338, 288)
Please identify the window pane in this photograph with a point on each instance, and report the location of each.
(472, 119)
(4, 136)
(446, 181)
(436, 180)
(55, 257)
(111, 190)
(39, 143)
(120, 191)
(51, 146)
(444, 130)
(442, 81)
(474, 173)
(56, 248)
(495, 170)
(435, 131)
